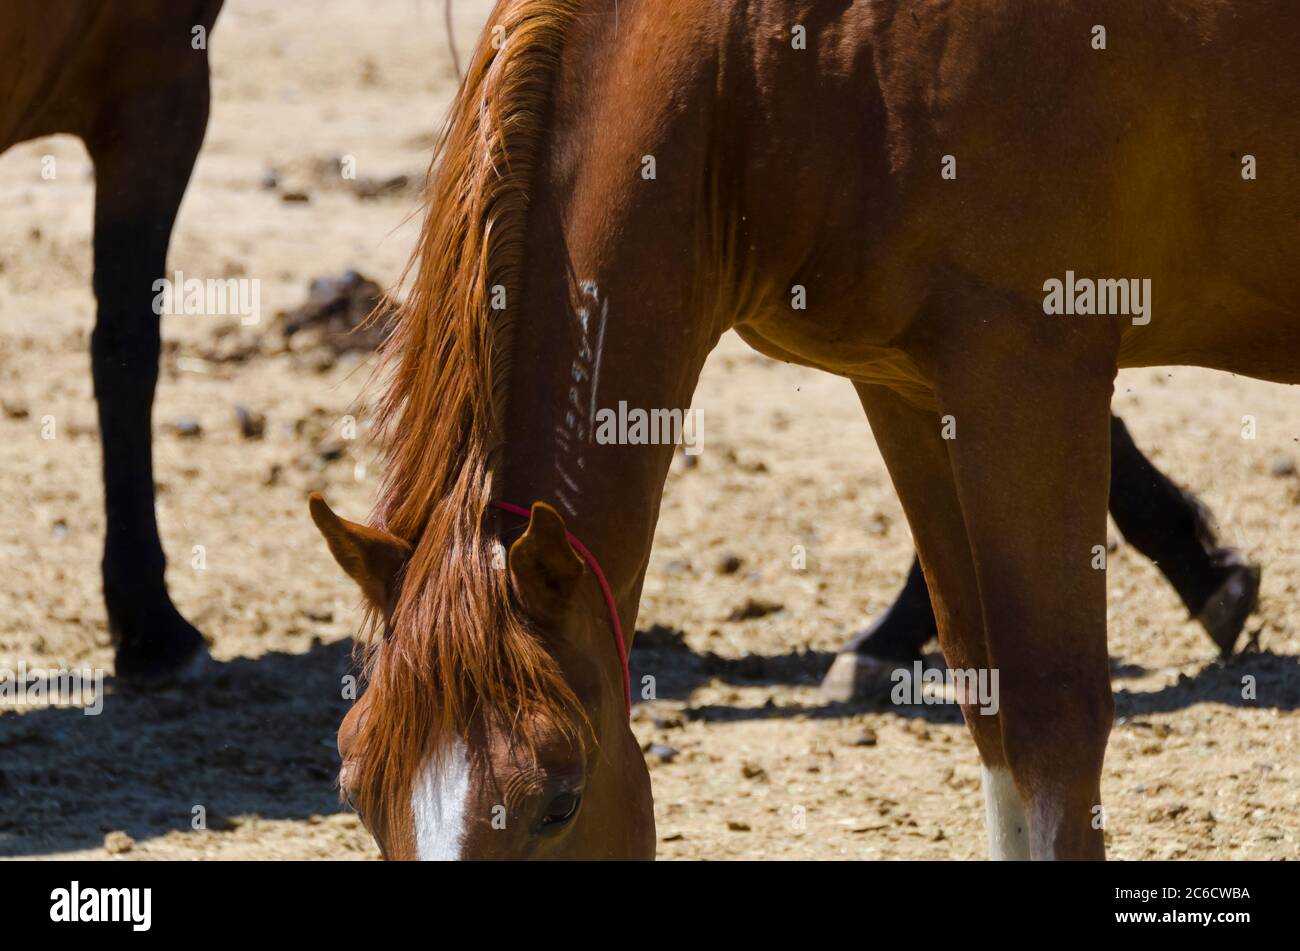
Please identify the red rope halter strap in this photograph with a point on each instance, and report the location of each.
(594, 565)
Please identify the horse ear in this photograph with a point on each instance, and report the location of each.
(544, 568)
(373, 559)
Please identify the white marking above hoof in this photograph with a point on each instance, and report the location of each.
(1005, 812)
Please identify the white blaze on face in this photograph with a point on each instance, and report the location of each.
(439, 803)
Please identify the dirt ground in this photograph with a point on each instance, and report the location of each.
(763, 768)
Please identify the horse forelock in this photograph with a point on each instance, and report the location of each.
(455, 643)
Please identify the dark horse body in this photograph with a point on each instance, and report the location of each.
(126, 77)
(777, 168)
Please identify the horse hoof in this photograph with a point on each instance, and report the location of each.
(1225, 613)
(182, 659)
(856, 677)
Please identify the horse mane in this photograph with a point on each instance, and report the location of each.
(455, 641)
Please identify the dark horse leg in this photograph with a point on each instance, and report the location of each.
(143, 145)
(1173, 528)
(1168, 525)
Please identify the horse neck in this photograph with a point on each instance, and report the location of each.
(623, 290)
(605, 333)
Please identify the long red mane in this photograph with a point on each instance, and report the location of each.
(455, 642)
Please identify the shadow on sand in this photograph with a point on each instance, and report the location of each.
(256, 736)
(252, 737)
(678, 671)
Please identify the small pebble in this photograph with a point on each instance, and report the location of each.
(118, 843)
(752, 609)
(331, 449)
(664, 752)
(252, 425)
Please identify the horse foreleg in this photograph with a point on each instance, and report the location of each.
(1030, 460)
(916, 455)
(144, 148)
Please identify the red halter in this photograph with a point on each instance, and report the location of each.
(594, 565)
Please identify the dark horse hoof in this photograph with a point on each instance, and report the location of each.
(1225, 613)
(855, 677)
(160, 650)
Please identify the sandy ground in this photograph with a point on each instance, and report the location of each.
(764, 769)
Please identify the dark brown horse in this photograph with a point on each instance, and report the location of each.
(130, 78)
(896, 192)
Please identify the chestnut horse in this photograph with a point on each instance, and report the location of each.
(131, 80)
(885, 191)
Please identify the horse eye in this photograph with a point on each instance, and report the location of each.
(562, 808)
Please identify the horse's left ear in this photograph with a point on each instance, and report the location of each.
(373, 559)
(544, 568)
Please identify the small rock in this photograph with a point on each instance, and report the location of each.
(868, 738)
(664, 752)
(729, 564)
(1282, 467)
(187, 427)
(118, 843)
(754, 609)
(753, 771)
(368, 189)
(14, 410)
(295, 197)
(670, 721)
(252, 425)
(331, 449)
(735, 825)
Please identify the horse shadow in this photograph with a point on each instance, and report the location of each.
(254, 736)
(1256, 678)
